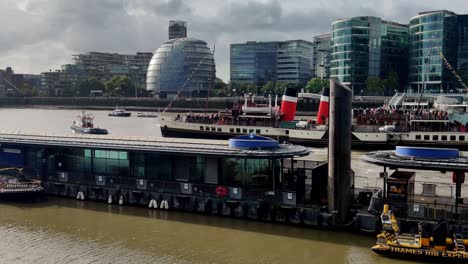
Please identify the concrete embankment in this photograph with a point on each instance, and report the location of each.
(304, 107)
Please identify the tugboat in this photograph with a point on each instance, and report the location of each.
(17, 186)
(120, 112)
(441, 246)
(84, 125)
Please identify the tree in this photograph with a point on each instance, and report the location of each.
(316, 85)
(86, 86)
(391, 83)
(375, 86)
(220, 88)
(269, 88)
(120, 86)
(247, 88)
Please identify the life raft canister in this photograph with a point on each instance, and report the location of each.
(221, 191)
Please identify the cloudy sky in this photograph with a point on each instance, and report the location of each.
(38, 35)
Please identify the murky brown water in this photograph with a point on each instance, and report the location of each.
(68, 231)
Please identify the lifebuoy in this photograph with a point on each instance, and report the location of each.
(221, 191)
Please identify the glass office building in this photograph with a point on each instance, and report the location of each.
(183, 66)
(295, 61)
(254, 62)
(277, 61)
(462, 56)
(364, 47)
(177, 29)
(430, 33)
(322, 55)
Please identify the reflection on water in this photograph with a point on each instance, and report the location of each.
(69, 231)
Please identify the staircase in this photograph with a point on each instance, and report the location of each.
(396, 100)
(458, 243)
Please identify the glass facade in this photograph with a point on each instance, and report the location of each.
(177, 29)
(364, 47)
(462, 56)
(183, 66)
(254, 62)
(430, 33)
(295, 61)
(260, 62)
(322, 55)
(125, 167)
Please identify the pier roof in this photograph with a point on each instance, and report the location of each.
(150, 144)
(389, 158)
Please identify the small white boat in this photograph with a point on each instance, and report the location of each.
(120, 112)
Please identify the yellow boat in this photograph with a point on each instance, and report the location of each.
(439, 247)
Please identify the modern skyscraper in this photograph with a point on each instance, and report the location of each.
(295, 61)
(283, 61)
(322, 55)
(431, 33)
(364, 47)
(177, 29)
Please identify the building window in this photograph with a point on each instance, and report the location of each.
(461, 138)
(231, 130)
(257, 131)
(238, 130)
(201, 128)
(453, 138)
(444, 137)
(418, 137)
(435, 137)
(426, 137)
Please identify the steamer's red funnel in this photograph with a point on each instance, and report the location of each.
(288, 104)
(323, 110)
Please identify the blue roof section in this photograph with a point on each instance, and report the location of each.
(161, 145)
(427, 153)
(419, 158)
(253, 142)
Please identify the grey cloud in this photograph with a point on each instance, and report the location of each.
(56, 29)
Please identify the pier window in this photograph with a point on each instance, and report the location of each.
(253, 173)
(158, 167)
(111, 162)
(32, 160)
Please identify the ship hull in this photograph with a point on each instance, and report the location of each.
(313, 142)
(421, 254)
(317, 138)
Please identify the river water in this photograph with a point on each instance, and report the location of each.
(59, 230)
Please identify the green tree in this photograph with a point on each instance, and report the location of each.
(220, 88)
(391, 83)
(269, 88)
(35, 91)
(86, 86)
(375, 86)
(316, 85)
(120, 86)
(247, 88)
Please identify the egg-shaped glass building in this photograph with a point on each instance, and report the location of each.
(183, 67)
